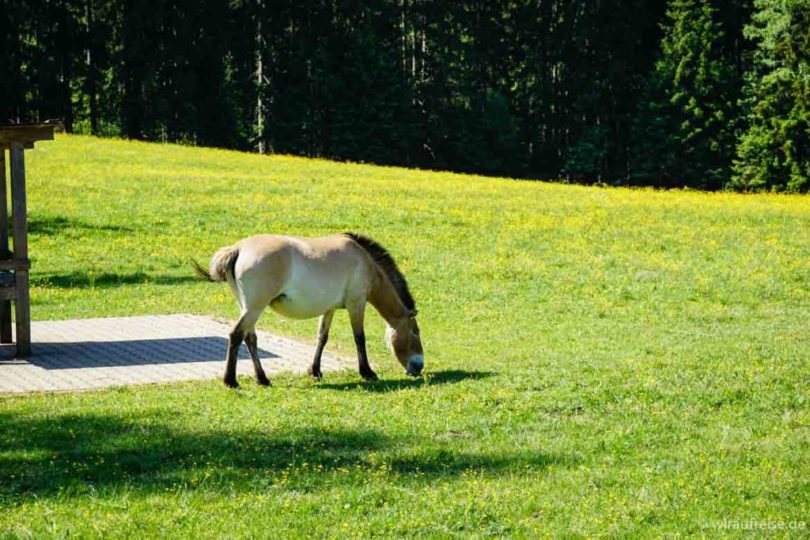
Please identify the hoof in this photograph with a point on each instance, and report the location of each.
(370, 376)
(263, 381)
(231, 383)
(316, 374)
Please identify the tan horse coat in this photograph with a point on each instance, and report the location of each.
(303, 278)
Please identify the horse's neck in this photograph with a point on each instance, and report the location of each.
(386, 301)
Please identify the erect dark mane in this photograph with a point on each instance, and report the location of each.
(386, 263)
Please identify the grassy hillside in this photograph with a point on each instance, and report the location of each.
(599, 361)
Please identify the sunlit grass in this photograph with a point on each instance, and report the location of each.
(600, 361)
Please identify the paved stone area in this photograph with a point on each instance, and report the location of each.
(96, 353)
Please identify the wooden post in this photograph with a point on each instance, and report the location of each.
(5, 305)
(17, 138)
(22, 306)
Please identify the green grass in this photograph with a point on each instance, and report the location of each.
(600, 362)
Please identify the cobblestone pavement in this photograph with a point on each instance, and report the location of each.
(81, 354)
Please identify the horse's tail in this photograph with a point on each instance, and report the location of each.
(222, 264)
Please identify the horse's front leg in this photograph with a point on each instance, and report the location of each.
(324, 324)
(356, 316)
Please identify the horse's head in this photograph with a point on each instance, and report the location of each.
(403, 340)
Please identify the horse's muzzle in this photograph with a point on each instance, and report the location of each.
(415, 365)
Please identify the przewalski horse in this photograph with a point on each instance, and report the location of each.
(303, 278)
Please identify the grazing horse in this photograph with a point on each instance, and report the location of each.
(303, 278)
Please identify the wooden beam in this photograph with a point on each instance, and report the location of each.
(4, 252)
(26, 133)
(15, 264)
(22, 305)
(5, 303)
(26, 145)
(7, 294)
(18, 203)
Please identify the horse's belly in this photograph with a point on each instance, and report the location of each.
(312, 289)
(296, 305)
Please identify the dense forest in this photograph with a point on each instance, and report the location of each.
(705, 94)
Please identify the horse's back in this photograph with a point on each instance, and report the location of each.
(280, 249)
(300, 277)
(262, 253)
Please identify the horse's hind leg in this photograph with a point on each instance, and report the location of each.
(324, 323)
(251, 342)
(246, 323)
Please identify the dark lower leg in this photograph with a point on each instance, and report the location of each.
(234, 341)
(362, 358)
(315, 368)
(324, 324)
(252, 344)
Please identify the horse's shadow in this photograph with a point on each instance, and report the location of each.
(449, 376)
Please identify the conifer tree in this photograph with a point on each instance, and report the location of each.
(684, 134)
(774, 152)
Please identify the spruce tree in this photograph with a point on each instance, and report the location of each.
(774, 152)
(684, 133)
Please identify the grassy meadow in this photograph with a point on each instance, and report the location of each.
(599, 362)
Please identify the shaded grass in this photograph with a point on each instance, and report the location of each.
(91, 450)
(83, 280)
(600, 362)
(61, 225)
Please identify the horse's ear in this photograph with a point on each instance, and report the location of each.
(413, 313)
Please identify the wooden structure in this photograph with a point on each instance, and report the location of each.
(14, 264)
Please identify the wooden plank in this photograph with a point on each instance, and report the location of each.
(26, 145)
(5, 303)
(4, 252)
(7, 294)
(15, 264)
(26, 133)
(22, 305)
(18, 201)
(22, 309)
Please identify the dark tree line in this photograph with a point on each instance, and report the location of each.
(707, 94)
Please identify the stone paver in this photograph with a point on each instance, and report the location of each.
(95, 353)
